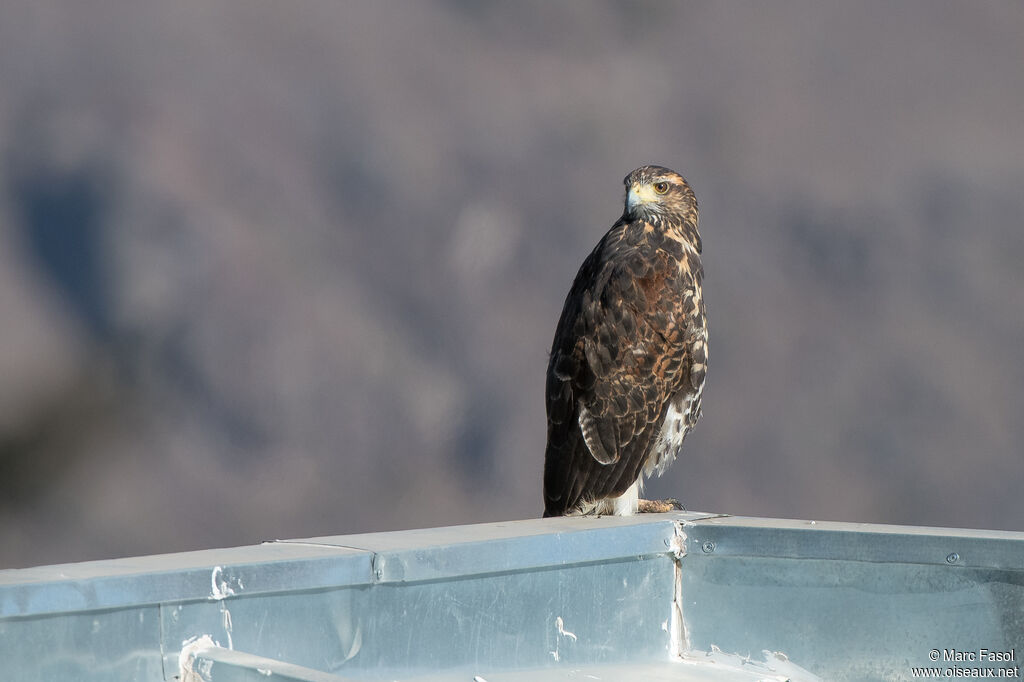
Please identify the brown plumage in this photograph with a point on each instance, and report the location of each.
(626, 371)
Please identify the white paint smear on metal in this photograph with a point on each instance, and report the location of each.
(190, 650)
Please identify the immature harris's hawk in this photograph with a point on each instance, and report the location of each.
(627, 365)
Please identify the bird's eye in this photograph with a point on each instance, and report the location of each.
(661, 187)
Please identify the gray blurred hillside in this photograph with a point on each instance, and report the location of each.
(291, 269)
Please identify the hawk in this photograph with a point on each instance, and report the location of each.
(627, 365)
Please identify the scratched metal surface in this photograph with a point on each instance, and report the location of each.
(685, 596)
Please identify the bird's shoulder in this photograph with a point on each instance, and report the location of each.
(639, 265)
(625, 308)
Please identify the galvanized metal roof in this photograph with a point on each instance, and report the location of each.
(686, 596)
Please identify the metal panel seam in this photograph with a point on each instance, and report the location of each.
(678, 639)
(160, 644)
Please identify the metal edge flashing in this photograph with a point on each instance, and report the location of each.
(480, 549)
(737, 536)
(128, 583)
(534, 544)
(337, 561)
(642, 590)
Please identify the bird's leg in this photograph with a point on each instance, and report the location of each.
(659, 506)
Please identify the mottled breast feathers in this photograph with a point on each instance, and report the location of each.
(625, 347)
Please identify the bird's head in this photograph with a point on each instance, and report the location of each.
(656, 193)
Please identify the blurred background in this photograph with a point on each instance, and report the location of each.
(275, 270)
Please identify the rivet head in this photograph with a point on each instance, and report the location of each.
(708, 547)
(952, 558)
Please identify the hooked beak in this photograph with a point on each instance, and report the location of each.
(640, 194)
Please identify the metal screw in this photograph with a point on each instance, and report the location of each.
(380, 573)
(708, 547)
(952, 558)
